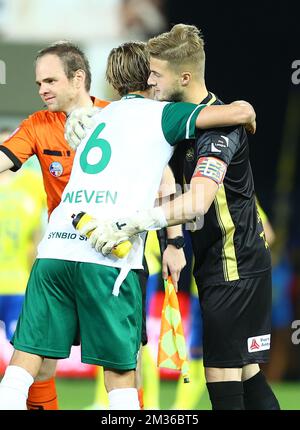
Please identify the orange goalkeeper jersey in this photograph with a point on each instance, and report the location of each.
(42, 133)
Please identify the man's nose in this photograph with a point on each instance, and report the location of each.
(42, 89)
(151, 81)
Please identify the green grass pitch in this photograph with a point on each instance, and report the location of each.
(79, 394)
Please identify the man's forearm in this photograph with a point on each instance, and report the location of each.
(236, 113)
(180, 210)
(194, 203)
(183, 208)
(174, 231)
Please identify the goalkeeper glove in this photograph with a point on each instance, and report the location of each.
(105, 235)
(76, 124)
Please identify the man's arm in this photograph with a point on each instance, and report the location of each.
(22, 143)
(238, 112)
(5, 162)
(194, 203)
(173, 259)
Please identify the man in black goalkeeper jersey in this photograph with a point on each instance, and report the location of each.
(232, 260)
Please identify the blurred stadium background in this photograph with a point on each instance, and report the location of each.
(252, 54)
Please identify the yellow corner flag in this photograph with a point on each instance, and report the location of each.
(171, 345)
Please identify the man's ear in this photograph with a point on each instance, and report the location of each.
(185, 78)
(79, 77)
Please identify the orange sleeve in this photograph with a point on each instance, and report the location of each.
(21, 144)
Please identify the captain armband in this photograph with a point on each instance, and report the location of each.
(212, 168)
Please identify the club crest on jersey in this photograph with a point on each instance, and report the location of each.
(190, 154)
(218, 143)
(56, 169)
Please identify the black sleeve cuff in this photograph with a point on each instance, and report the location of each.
(12, 157)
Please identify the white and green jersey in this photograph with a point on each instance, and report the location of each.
(117, 170)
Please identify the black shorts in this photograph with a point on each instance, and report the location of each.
(237, 322)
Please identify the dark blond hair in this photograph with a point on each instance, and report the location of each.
(183, 45)
(72, 58)
(128, 67)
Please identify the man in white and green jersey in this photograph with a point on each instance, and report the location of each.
(122, 157)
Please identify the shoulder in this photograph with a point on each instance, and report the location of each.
(44, 116)
(233, 133)
(99, 102)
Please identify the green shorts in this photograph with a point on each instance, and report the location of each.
(64, 296)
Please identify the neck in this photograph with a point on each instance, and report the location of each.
(196, 92)
(83, 100)
(141, 93)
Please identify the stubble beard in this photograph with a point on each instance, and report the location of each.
(173, 96)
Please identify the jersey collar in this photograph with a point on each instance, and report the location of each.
(207, 98)
(132, 96)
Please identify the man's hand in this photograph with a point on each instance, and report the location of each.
(76, 124)
(251, 127)
(250, 124)
(105, 235)
(173, 261)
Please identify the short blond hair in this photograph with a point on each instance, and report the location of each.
(183, 45)
(128, 68)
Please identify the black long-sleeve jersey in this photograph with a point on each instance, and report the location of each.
(231, 244)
